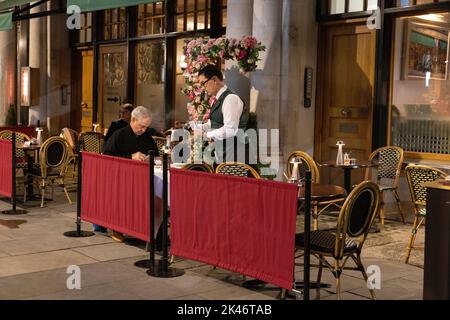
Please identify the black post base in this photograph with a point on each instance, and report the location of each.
(157, 271)
(146, 264)
(14, 212)
(81, 234)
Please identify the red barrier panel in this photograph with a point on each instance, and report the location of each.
(6, 168)
(240, 224)
(115, 194)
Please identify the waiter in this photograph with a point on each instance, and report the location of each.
(228, 119)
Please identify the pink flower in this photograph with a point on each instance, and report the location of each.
(242, 54)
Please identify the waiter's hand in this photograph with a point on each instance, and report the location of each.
(139, 156)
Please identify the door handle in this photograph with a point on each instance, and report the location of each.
(346, 112)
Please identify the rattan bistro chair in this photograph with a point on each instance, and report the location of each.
(237, 169)
(71, 137)
(21, 138)
(202, 167)
(308, 163)
(92, 141)
(53, 158)
(390, 160)
(333, 248)
(416, 176)
(160, 143)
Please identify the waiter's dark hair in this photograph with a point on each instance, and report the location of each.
(210, 71)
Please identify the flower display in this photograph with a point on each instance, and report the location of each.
(203, 51)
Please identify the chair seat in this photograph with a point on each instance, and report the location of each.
(50, 172)
(323, 241)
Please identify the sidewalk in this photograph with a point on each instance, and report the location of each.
(34, 256)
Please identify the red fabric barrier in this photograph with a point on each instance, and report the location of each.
(115, 194)
(240, 224)
(6, 168)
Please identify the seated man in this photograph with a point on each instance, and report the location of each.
(132, 142)
(124, 120)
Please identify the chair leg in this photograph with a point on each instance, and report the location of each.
(283, 294)
(67, 194)
(397, 199)
(315, 218)
(363, 271)
(381, 216)
(43, 194)
(414, 230)
(319, 278)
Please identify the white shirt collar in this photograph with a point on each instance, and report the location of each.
(221, 91)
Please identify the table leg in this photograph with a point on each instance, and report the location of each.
(348, 180)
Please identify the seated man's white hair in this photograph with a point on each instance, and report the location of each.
(141, 113)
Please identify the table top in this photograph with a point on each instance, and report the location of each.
(322, 192)
(442, 185)
(359, 164)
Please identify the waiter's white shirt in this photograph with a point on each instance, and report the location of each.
(232, 108)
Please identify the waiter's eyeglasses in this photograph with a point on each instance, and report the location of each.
(203, 83)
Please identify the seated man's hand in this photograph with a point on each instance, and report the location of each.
(139, 156)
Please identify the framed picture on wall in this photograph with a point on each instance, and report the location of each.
(425, 50)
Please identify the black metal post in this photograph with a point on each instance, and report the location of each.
(306, 271)
(79, 233)
(165, 238)
(14, 210)
(162, 270)
(150, 264)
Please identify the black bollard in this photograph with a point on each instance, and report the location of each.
(79, 233)
(14, 210)
(162, 270)
(150, 264)
(306, 270)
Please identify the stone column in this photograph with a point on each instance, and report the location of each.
(8, 56)
(58, 66)
(266, 80)
(239, 24)
(38, 59)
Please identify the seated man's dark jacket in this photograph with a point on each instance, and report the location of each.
(114, 126)
(124, 142)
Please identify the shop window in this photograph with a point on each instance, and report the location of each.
(151, 18)
(85, 34)
(150, 72)
(420, 102)
(115, 24)
(193, 15)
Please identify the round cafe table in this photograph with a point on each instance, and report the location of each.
(29, 151)
(348, 170)
(323, 192)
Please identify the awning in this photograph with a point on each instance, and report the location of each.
(7, 4)
(6, 21)
(94, 5)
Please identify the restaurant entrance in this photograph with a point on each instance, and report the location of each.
(113, 82)
(345, 94)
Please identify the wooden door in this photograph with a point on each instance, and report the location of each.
(345, 95)
(87, 61)
(112, 82)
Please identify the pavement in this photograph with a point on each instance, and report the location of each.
(35, 257)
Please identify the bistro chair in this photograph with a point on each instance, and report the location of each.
(203, 167)
(237, 169)
(416, 176)
(160, 143)
(53, 158)
(71, 137)
(21, 163)
(308, 163)
(333, 248)
(92, 141)
(389, 160)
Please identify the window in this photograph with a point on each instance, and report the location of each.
(151, 18)
(85, 34)
(193, 15)
(347, 6)
(115, 24)
(420, 102)
(408, 3)
(150, 72)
